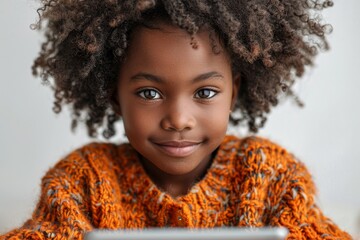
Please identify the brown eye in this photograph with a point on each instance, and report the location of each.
(149, 94)
(205, 93)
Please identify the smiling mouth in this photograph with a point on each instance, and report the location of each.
(177, 148)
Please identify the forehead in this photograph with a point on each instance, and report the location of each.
(168, 46)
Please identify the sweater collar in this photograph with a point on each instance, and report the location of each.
(212, 190)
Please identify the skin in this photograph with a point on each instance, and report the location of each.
(175, 103)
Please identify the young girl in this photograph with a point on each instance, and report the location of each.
(175, 72)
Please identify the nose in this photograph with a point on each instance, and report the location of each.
(178, 117)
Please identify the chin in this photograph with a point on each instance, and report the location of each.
(178, 168)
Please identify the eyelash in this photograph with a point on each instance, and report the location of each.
(214, 93)
(141, 93)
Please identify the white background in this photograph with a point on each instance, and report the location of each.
(324, 134)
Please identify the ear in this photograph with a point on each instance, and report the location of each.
(114, 102)
(235, 90)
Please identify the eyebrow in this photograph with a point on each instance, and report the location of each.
(157, 79)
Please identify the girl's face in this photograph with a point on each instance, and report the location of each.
(174, 100)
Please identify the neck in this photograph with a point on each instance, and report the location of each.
(176, 185)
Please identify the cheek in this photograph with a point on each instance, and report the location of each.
(215, 118)
(138, 120)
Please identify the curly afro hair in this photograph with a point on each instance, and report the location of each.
(270, 43)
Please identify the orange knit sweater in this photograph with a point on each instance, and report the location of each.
(251, 182)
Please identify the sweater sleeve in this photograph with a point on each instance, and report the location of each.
(295, 208)
(62, 211)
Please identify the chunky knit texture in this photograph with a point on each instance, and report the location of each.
(251, 182)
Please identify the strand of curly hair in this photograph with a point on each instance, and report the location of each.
(270, 44)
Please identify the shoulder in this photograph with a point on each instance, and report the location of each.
(250, 143)
(256, 148)
(82, 155)
(263, 164)
(254, 145)
(263, 156)
(87, 159)
(85, 171)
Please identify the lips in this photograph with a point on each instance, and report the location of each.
(177, 148)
